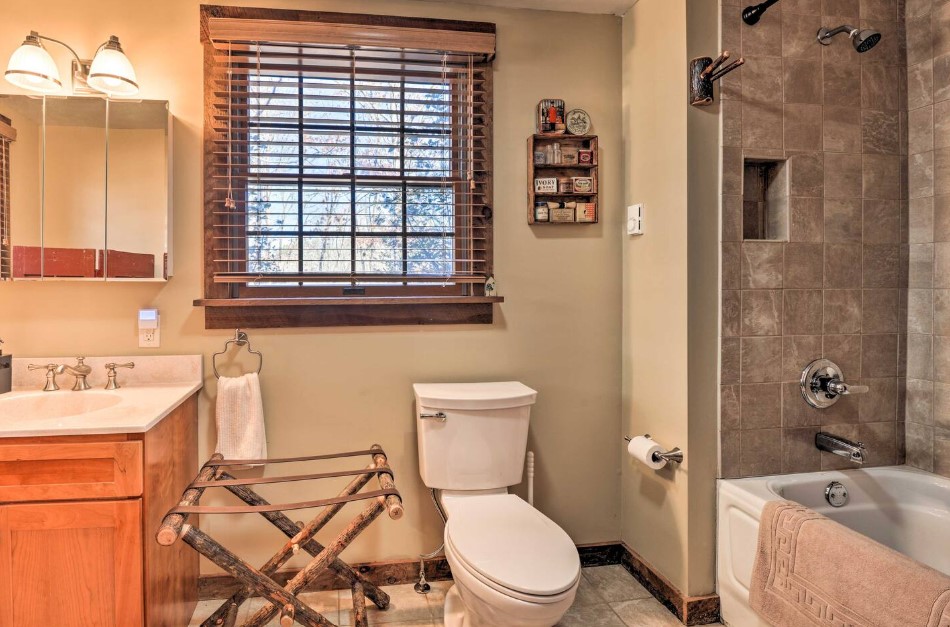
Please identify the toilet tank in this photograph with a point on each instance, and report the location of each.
(480, 443)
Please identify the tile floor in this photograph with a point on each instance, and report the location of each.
(608, 596)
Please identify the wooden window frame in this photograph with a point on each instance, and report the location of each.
(226, 305)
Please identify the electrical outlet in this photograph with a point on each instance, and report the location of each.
(149, 328)
(149, 338)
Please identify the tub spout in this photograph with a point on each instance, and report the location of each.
(837, 445)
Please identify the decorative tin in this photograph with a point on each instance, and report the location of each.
(545, 186)
(577, 122)
(551, 117)
(565, 186)
(583, 184)
(585, 157)
(569, 155)
(586, 212)
(562, 214)
(539, 157)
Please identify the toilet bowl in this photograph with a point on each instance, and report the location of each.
(512, 565)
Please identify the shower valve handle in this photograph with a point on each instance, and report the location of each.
(836, 386)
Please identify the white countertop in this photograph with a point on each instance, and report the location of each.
(149, 392)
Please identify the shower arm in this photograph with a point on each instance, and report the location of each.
(826, 34)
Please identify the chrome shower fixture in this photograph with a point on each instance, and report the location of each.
(752, 14)
(862, 40)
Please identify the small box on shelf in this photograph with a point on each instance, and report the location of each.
(562, 179)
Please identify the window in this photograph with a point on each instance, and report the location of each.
(7, 135)
(348, 169)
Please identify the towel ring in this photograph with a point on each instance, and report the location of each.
(240, 338)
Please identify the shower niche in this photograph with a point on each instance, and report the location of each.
(765, 199)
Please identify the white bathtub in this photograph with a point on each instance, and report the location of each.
(901, 507)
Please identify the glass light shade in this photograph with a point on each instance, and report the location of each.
(111, 71)
(31, 67)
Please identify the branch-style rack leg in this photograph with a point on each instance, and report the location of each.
(283, 599)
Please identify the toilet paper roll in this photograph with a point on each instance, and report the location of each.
(642, 448)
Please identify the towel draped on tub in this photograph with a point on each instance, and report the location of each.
(239, 415)
(810, 570)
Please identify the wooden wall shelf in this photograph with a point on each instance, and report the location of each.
(563, 171)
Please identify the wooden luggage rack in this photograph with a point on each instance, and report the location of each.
(284, 600)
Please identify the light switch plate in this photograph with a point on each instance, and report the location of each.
(635, 220)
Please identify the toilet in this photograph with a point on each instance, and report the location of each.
(512, 565)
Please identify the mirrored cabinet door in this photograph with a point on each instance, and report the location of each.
(84, 189)
(21, 178)
(74, 188)
(138, 197)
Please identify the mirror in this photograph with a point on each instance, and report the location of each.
(74, 191)
(88, 182)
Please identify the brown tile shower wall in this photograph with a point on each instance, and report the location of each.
(928, 323)
(836, 287)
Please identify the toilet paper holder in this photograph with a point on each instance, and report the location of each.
(674, 455)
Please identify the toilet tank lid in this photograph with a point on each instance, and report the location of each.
(496, 395)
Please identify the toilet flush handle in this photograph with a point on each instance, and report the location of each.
(440, 416)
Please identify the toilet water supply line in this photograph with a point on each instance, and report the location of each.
(422, 586)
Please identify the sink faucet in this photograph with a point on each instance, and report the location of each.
(80, 371)
(51, 371)
(837, 445)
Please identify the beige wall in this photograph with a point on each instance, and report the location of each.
(337, 389)
(669, 292)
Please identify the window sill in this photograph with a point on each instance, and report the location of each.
(259, 313)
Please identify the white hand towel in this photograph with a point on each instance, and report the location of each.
(239, 415)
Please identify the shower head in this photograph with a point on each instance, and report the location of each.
(865, 40)
(862, 40)
(752, 14)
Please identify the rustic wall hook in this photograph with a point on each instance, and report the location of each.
(703, 71)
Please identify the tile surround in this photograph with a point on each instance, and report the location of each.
(927, 402)
(838, 287)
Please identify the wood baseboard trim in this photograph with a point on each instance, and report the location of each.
(389, 573)
(701, 610)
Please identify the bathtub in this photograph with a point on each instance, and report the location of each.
(901, 507)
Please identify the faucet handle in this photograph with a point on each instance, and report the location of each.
(51, 371)
(836, 386)
(110, 372)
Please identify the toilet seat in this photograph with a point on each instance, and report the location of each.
(512, 547)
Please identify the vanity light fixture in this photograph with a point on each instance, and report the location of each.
(110, 72)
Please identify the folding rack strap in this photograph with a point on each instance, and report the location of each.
(303, 538)
(175, 518)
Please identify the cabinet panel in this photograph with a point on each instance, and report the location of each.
(73, 564)
(171, 572)
(64, 471)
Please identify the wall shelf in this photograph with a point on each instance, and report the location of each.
(544, 143)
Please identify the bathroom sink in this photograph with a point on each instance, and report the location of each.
(60, 404)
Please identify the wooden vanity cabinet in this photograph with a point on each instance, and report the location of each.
(78, 516)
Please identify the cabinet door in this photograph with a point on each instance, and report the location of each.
(75, 564)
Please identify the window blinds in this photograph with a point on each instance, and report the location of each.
(7, 136)
(359, 164)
